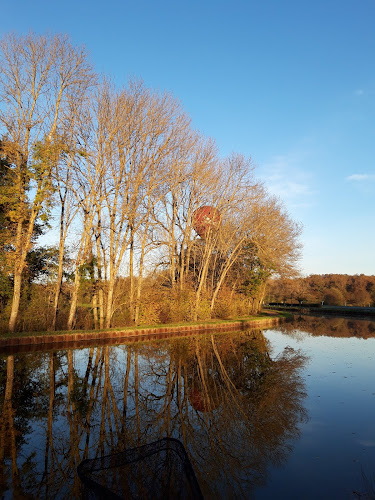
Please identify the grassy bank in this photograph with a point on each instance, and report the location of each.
(36, 338)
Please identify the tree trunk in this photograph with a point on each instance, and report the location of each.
(108, 316)
(200, 288)
(172, 245)
(58, 285)
(220, 283)
(95, 308)
(101, 308)
(73, 303)
(131, 277)
(100, 272)
(139, 288)
(22, 245)
(16, 299)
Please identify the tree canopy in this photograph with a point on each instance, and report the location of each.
(118, 174)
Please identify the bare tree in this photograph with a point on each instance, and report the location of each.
(262, 242)
(147, 130)
(233, 181)
(39, 76)
(87, 180)
(68, 207)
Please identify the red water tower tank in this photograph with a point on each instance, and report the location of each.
(205, 218)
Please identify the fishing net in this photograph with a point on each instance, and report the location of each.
(159, 470)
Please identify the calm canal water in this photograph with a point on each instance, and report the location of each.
(284, 413)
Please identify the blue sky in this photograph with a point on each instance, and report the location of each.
(290, 83)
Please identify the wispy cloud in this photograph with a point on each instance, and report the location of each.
(359, 92)
(285, 178)
(361, 177)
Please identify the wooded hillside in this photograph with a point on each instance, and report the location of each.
(332, 289)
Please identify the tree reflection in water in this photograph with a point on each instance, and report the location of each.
(330, 327)
(235, 408)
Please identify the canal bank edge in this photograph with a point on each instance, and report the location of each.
(90, 337)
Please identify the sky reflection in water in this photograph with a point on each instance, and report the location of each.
(288, 418)
(335, 456)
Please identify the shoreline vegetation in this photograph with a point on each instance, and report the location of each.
(41, 339)
(323, 289)
(146, 222)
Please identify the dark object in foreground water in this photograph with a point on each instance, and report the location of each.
(160, 469)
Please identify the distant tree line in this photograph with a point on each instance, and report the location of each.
(115, 175)
(332, 289)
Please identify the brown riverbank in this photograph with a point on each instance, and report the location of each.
(47, 340)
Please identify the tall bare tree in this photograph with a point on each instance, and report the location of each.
(39, 76)
(144, 131)
(233, 181)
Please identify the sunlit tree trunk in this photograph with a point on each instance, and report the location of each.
(131, 276)
(67, 214)
(59, 272)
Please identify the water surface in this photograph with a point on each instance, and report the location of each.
(287, 413)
